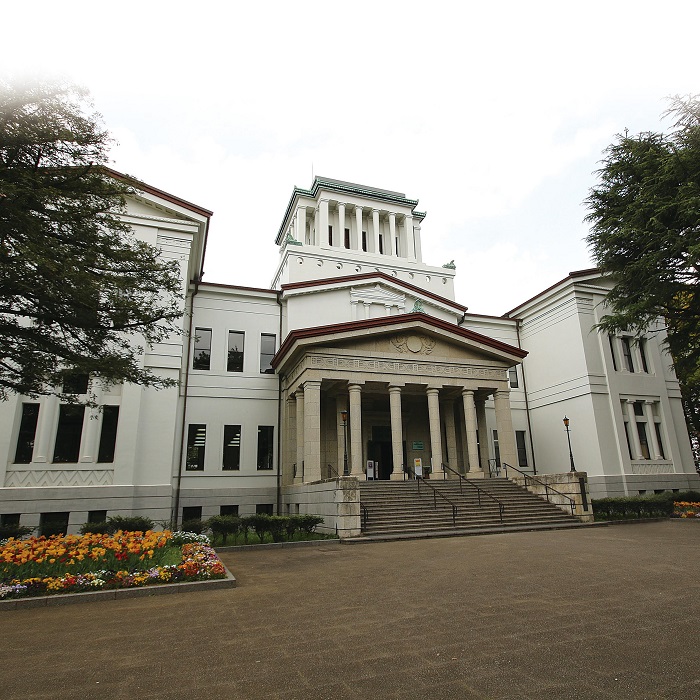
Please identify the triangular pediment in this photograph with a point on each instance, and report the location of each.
(414, 337)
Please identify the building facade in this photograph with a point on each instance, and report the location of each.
(357, 361)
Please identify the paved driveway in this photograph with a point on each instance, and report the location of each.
(594, 613)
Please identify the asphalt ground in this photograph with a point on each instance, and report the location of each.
(609, 612)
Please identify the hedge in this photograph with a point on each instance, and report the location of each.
(658, 505)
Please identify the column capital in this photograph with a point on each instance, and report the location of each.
(311, 384)
(395, 388)
(467, 392)
(355, 386)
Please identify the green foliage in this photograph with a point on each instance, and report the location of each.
(196, 525)
(101, 528)
(68, 263)
(308, 523)
(224, 525)
(645, 232)
(259, 523)
(16, 531)
(129, 523)
(638, 507)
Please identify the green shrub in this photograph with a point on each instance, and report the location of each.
(634, 507)
(308, 523)
(196, 525)
(276, 526)
(292, 525)
(16, 531)
(129, 523)
(260, 522)
(224, 525)
(245, 526)
(102, 528)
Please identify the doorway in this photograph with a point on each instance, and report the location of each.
(379, 450)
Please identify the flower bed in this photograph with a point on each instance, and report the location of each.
(686, 509)
(40, 566)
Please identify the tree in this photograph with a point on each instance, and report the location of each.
(79, 294)
(645, 217)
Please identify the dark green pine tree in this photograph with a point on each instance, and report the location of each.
(645, 232)
(78, 293)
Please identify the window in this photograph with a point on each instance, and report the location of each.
(364, 241)
(520, 445)
(202, 348)
(9, 519)
(108, 435)
(97, 516)
(267, 352)
(264, 509)
(232, 447)
(496, 450)
(228, 510)
(513, 377)
(611, 340)
(627, 353)
(53, 524)
(381, 244)
(396, 240)
(196, 440)
(191, 513)
(657, 428)
(638, 408)
(69, 433)
(346, 239)
(643, 354)
(234, 361)
(330, 235)
(643, 442)
(265, 446)
(27, 433)
(629, 444)
(75, 383)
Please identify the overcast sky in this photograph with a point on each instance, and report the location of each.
(493, 115)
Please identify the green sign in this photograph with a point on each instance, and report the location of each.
(417, 445)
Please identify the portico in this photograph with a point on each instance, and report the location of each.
(414, 388)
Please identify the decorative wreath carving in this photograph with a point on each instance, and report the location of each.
(416, 344)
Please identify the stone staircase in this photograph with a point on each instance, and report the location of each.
(399, 510)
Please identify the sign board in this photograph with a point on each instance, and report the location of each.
(418, 467)
(417, 445)
(370, 469)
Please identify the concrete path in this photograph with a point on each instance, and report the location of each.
(595, 613)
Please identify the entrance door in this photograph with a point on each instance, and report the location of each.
(380, 451)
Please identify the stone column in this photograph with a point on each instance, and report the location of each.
(392, 233)
(651, 429)
(396, 432)
(355, 391)
(483, 431)
(632, 429)
(45, 428)
(470, 428)
(435, 434)
(356, 242)
(92, 425)
(375, 230)
(342, 405)
(367, 305)
(299, 395)
(504, 425)
(301, 224)
(312, 431)
(322, 234)
(290, 441)
(341, 225)
(408, 230)
(416, 240)
(452, 459)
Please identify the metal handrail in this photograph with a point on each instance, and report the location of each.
(365, 516)
(331, 468)
(547, 487)
(479, 490)
(436, 493)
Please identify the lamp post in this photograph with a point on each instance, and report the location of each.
(344, 416)
(568, 437)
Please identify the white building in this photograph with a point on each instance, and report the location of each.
(358, 348)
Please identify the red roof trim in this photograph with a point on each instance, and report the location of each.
(138, 184)
(371, 275)
(571, 275)
(316, 331)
